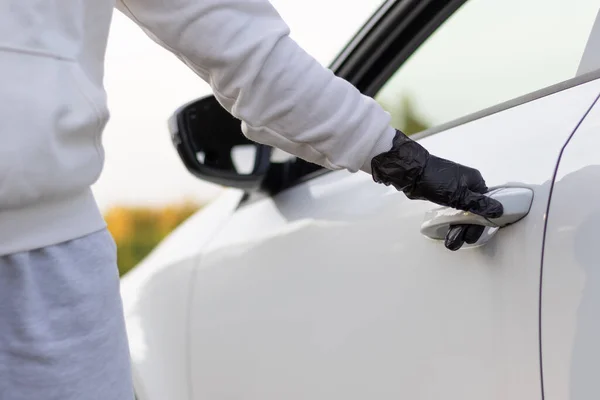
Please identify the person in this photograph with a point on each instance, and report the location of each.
(62, 331)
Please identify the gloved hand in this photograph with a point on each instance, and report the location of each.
(409, 167)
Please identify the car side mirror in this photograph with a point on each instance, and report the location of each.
(210, 142)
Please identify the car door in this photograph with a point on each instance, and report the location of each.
(329, 290)
(571, 281)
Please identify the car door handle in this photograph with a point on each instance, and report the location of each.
(515, 200)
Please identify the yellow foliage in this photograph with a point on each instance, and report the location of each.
(137, 230)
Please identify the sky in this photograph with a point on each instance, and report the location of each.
(519, 46)
(146, 83)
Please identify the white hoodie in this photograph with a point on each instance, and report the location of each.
(53, 104)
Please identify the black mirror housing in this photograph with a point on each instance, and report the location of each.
(206, 137)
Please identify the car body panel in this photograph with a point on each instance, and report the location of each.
(328, 290)
(156, 298)
(571, 270)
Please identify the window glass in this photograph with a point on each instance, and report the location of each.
(488, 52)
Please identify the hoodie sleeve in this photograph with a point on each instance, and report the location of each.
(284, 97)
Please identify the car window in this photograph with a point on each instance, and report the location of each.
(488, 52)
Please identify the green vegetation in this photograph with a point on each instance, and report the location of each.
(405, 116)
(137, 230)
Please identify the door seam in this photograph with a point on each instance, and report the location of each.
(197, 263)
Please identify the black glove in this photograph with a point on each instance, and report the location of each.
(411, 169)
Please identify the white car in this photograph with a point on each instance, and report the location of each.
(300, 283)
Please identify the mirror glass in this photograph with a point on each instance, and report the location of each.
(211, 144)
(280, 156)
(243, 157)
(215, 138)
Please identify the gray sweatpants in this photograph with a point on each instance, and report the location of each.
(62, 332)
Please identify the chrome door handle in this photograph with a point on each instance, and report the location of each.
(515, 200)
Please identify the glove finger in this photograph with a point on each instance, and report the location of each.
(473, 233)
(479, 186)
(475, 181)
(413, 196)
(455, 237)
(458, 235)
(481, 205)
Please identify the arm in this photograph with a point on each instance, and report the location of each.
(284, 97)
